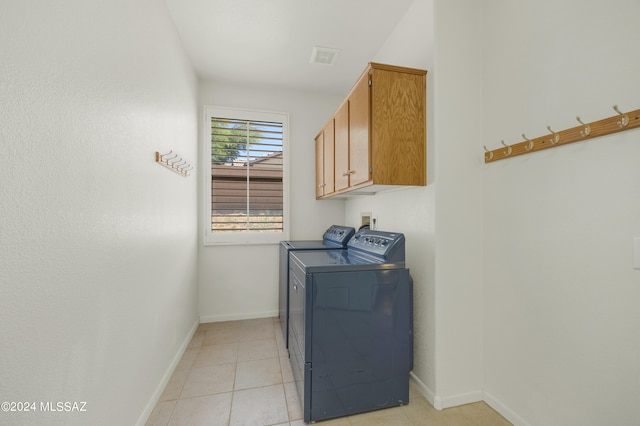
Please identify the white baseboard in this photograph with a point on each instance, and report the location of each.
(424, 389)
(459, 399)
(167, 376)
(440, 403)
(504, 411)
(236, 317)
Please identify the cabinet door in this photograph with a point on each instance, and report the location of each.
(398, 128)
(329, 154)
(359, 148)
(320, 185)
(341, 123)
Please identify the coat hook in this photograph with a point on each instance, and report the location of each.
(529, 145)
(556, 137)
(624, 118)
(587, 129)
(174, 162)
(166, 160)
(489, 154)
(508, 151)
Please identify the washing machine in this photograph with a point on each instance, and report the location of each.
(351, 326)
(335, 237)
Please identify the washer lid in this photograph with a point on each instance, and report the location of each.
(339, 260)
(305, 245)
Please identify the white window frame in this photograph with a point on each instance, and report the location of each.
(239, 238)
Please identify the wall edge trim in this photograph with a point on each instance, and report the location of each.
(155, 397)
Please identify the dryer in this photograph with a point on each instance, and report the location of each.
(335, 237)
(351, 326)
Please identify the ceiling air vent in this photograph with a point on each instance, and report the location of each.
(324, 55)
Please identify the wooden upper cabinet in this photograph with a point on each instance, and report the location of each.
(320, 184)
(380, 131)
(329, 158)
(341, 122)
(359, 159)
(398, 126)
(324, 161)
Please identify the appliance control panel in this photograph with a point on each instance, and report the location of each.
(338, 234)
(387, 245)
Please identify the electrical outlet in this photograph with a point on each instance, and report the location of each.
(365, 218)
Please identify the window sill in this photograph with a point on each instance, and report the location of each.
(237, 239)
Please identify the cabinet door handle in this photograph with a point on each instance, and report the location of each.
(322, 185)
(295, 287)
(348, 172)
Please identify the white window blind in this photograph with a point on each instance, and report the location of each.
(247, 176)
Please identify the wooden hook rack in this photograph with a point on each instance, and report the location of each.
(618, 123)
(174, 163)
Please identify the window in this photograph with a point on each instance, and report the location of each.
(246, 190)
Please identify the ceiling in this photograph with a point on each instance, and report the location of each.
(270, 42)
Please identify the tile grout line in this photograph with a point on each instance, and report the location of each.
(233, 387)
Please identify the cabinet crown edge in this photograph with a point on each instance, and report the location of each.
(377, 65)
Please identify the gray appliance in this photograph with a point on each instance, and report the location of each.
(351, 326)
(335, 237)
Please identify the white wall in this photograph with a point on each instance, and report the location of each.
(526, 262)
(525, 292)
(562, 345)
(441, 222)
(98, 251)
(412, 211)
(241, 281)
(459, 230)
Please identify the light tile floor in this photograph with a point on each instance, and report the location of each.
(237, 373)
